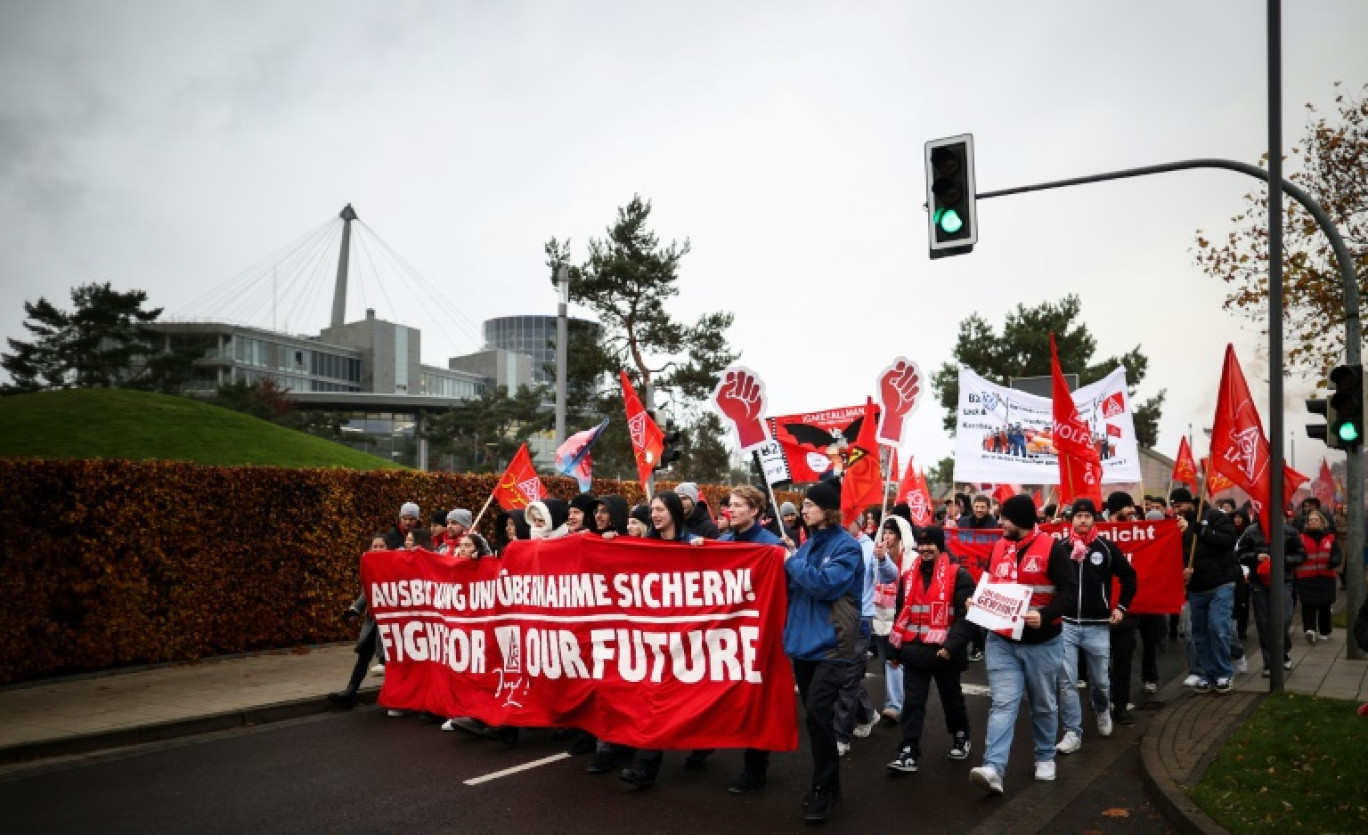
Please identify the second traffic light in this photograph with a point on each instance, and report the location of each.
(950, 196)
(670, 452)
(1344, 415)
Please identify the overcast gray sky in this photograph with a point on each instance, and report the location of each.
(170, 146)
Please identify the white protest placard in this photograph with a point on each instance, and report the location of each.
(1000, 606)
(773, 462)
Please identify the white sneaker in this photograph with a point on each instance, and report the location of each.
(449, 725)
(842, 748)
(863, 731)
(1104, 723)
(1081, 684)
(378, 670)
(1242, 665)
(1045, 771)
(986, 778)
(396, 713)
(1151, 687)
(1192, 680)
(1069, 744)
(1310, 636)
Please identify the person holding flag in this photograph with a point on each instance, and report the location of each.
(1209, 543)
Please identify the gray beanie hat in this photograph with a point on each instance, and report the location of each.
(786, 508)
(688, 488)
(409, 509)
(460, 516)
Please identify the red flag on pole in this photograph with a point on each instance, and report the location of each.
(1323, 487)
(1003, 492)
(1239, 447)
(520, 485)
(1215, 482)
(1185, 467)
(647, 438)
(1080, 465)
(863, 483)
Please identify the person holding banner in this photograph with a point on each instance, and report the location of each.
(1030, 664)
(1088, 619)
(930, 635)
(822, 634)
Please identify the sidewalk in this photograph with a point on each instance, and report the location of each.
(92, 713)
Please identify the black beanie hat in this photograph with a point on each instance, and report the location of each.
(642, 513)
(585, 503)
(932, 536)
(1119, 501)
(1085, 506)
(1020, 510)
(1180, 494)
(825, 494)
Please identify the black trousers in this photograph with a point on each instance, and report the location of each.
(917, 689)
(854, 707)
(1122, 652)
(1259, 603)
(819, 686)
(1153, 631)
(365, 650)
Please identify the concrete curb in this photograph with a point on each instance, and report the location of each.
(163, 731)
(1178, 747)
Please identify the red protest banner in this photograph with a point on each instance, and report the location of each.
(627, 639)
(1154, 548)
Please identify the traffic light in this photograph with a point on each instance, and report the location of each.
(669, 453)
(1344, 415)
(1319, 431)
(950, 193)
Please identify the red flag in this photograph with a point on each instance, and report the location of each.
(913, 490)
(1035, 497)
(1184, 467)
(647, 439)
(1003, 492)
(1323, 487)
(520, 485)
(1080, 465)
(1215, 482)
(1239, 447)
(863, 483)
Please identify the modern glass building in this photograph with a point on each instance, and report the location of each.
(534, 336)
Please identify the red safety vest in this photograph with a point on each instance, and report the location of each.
(1317, 558)
(928, 608)
(1029, 566)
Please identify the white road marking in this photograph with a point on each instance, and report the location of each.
(976, 690)
(475, 781)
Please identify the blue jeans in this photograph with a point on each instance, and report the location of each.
(1211, 628)
(1015, 668)
(1093, 641)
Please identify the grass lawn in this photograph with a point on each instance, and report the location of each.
(1299, 764)
(141, 426)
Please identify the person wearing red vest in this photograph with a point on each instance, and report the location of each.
(930, 635)
(1316, 576)
(1032, 664)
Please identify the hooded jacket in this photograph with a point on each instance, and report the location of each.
(699, 523)
(826, 582)
(554, 511)
(1214, 562)
(618, 512)
(1101, 561)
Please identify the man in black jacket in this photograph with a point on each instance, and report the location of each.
(1209, 545)
(697, 520)
(1088, 618)
(1252, 552)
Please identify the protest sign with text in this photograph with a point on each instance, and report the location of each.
(997, 606)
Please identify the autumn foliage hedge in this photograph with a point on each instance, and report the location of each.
(113, 563)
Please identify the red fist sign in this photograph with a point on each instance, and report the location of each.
(900, 386)
(740, 396)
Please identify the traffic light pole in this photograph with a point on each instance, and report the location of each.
(1353, 350)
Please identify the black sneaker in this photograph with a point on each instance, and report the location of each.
(697, 759)
(344, 700)
(749, 781)
(583, 744)
(818, 808)
(1123, 716)
(959, 749)
(976, 655)
(637, 776)
(904, 763)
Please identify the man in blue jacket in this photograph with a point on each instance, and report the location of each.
(823, 634)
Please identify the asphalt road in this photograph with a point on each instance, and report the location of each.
(363, 771)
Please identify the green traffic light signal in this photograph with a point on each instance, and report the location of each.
(949, 221)
(1349, 433)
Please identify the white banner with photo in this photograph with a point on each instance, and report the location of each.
(1005, 436)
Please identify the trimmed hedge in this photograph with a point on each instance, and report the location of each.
(113, 563)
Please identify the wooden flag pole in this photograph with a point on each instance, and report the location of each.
(474, 526)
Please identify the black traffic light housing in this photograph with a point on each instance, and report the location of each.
(952, 215)
(1344, 412)
(1319, 431)
(669, 452)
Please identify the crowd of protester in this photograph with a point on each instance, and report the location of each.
(885, 588)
